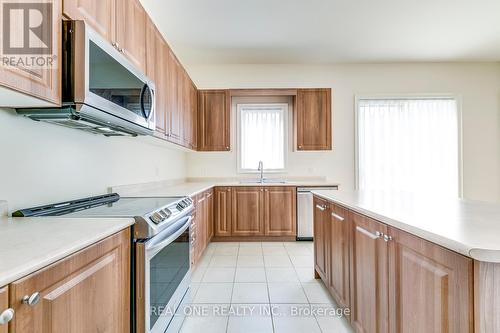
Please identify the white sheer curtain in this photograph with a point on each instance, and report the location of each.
(409, 145)
(262, 135)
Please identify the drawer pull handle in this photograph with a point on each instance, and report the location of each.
(320, 207)
(338, 217)
(365, 232)
(387, 238)
(32, 300)
(6, 316)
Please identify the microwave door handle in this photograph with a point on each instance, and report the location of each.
(143, 110)
(156, 246)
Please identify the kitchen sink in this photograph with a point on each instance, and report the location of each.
(265, 181)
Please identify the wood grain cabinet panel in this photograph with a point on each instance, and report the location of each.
(44, 84)
(248, 219)
(174, 92)
(430, 288)
(338, 255)
(98, 14)
(223, 211)
(214, 109)
(313, 120)
(4, 305)
(280, 216)
(210, 215)
(369, 276)
(86, 292)
(321, 237)
(131, 31)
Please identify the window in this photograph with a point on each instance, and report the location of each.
(262, 136)
(409, 145)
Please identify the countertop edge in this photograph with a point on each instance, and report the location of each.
(479, 254)
(22, 273)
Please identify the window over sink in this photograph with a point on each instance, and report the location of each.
(262, 135)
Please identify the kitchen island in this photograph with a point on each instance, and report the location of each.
(426, 263)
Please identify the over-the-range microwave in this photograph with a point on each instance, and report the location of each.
(102, 91)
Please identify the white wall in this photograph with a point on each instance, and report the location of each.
(478, 86)
(43, 163)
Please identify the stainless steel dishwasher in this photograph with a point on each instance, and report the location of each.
(305, 211)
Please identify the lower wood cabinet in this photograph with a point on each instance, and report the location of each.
(222, 211)
(321, 237)
(202, 224)
(280, 211)
(4, 306)
(88, 291)
(431, 287)
(248, 212)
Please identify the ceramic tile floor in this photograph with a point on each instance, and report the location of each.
(257, 287)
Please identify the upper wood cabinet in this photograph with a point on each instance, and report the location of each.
(280, 211)
(369, 275)
(214, 109)
(430, 288)
(86, 292)
(131, 31)
(174, 94)
(44, 84)
(4, 305)
(321, 237)
(338, 255)
(99, 15)
(222, 211)
(248, 217)
(313, 119)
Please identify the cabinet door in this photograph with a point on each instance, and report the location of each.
(4, 305)
(248, 219)
(43, 83)
(187, 115)
(338, 255)
(175, 88)
(214, 108)
(369, 302)
(86, 292)
(431, 288)
(321, 221)
(313, 119)
(222, 209)
(280, 204)
(131, 31)
(200, 225)
(193, 96)
(98, 14)
(210, 215)
(156, 69)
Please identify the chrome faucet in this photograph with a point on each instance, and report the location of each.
(261, 169)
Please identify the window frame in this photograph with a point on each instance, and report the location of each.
(285, 107)
(458, 100)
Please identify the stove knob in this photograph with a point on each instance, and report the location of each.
(167, 212)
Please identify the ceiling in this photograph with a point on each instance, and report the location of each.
(328, 31)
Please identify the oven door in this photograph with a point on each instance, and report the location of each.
(163, 276)
(104, 78)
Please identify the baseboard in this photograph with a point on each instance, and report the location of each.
(254, 239)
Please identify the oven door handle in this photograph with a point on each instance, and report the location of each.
(160, 242)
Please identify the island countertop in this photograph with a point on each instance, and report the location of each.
(471, 228)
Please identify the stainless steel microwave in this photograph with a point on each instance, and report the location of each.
(102, 91)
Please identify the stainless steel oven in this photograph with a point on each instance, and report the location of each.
(162, 275)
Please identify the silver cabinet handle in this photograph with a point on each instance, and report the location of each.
(32, 300)
(6, 316)
(338, 217)
(387, 238)
(320, 207)
(365, 232)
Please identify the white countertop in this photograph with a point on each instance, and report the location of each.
(191, 188)
(29, 244)
(471, 228)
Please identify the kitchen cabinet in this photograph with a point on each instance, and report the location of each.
(222, 211)
(248, 217)
(321, 237)
(88, 291)
(203, 224)
(131, 31)
(313, 119)
(156, 69)
(430, 288)
(214, 109)
(44, 84)
(5, 313)
(99, 15)
(280, 215)
(369, 275)
(174, 89)
(189, 115)
(210, 215)
(338, 255)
